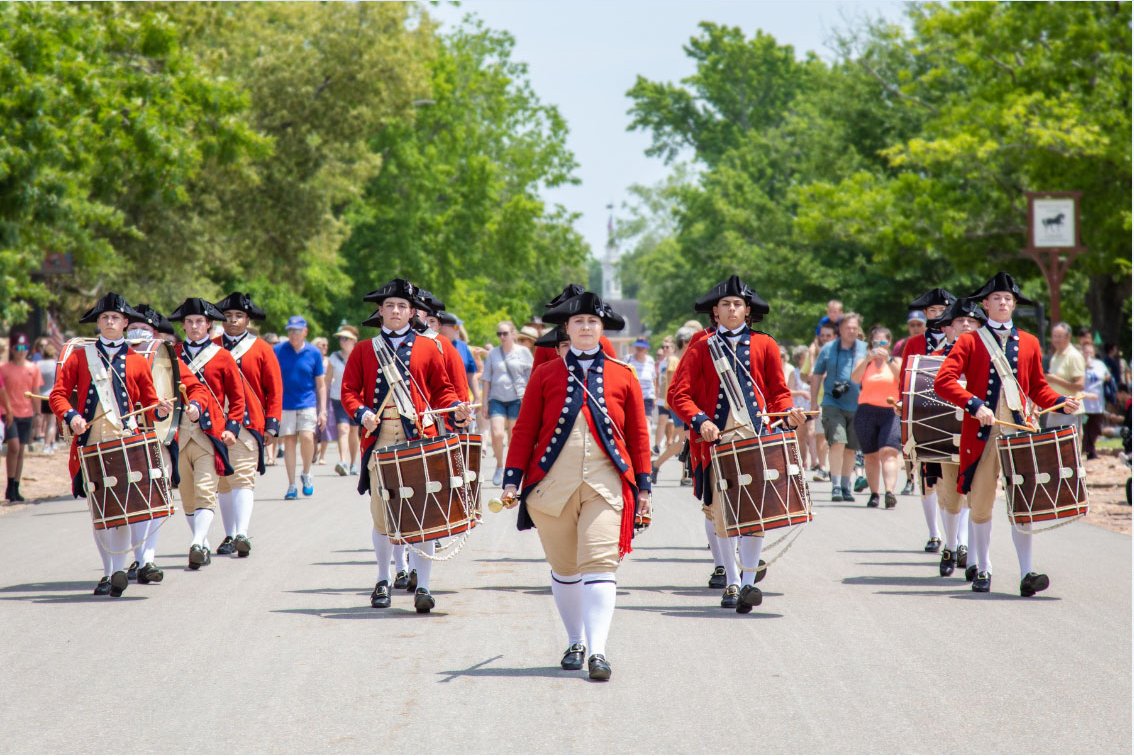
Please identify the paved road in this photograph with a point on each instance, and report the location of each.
(859, 646)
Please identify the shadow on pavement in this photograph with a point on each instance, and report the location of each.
(926, 580)
(970, 596)
(369, 562)
(882, 551)
(701, 612)
(362, 613)
(52, 514)
(671, 548)
(926, 563)
(70, 585)
(513, 559)
(86, 597)
(479, 670)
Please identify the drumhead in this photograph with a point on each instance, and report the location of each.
(446, 440)
(1044, 434)
(166, 373)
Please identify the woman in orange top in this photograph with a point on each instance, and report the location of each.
(876, 420)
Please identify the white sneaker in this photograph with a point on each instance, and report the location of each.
(341, 469)
(354, 469)
(498, 477)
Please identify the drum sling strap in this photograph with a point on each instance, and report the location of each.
(1007, 377)
(729, 382)
(100, 378)
(402, 400)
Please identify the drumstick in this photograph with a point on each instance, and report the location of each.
(1077, 397)
(142, 410)
(30, 395)
(448, 410)
(1007, 424)
(894, 402)
(809, 413)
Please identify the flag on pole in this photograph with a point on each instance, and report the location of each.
(54, 335)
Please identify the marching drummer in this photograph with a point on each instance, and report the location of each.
(210, 426)
(1003, 367)
(697, 394)
(963, 316)
(390, 402)
(263, 408)
(933, 303)
(579, 465)
(107, 378)
(545, 353)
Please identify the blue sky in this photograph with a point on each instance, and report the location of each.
(583, 55)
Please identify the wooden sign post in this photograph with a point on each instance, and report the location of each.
(1053, 238)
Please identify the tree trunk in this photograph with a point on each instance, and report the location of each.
(1108, 301)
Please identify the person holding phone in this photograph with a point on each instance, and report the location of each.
(876, 421)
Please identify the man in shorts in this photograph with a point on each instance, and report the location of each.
(840, 400)
(304, 401)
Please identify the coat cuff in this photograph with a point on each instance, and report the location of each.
(697, 421)
(360, 414)
(159, 416)
(272, 425)
(973, 406)
(643, 482)
(71, 415)
(513, 476)
(233, 427)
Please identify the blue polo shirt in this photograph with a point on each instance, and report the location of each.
(837, 364)
(299, 371)
(466, 355)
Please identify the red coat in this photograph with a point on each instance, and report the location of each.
(263, 386)
(455, 368)
(535, 445)
(914, 346)
(222, 382)
(75, 376)
(544, 354)
(364, 386)
(970, 358)
(695, 389)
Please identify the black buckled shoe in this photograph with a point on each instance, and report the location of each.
(401, 580)
(962, 557)
(423, 601)
(970, 573)
(730, 597)
(750, 597)
(933, 545)
(948, 563)
(118, 583)
(132, 572)
(573, 656)
(380, 599)
(982, 583)
(873, 501)
(598, 668)
(227, 546)
(717, 580)
(411, 582)
(242, 544)
(891, 500)
(150, 573)
(198, 557)
(1033, 583)
(761, 571)
(103, 587)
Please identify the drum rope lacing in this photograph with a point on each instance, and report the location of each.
(153, 450)
(1011, 490)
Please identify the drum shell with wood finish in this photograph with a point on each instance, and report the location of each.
(126, 480)
(423, 486)
(472, 448)
(1044, 478)
(759, 482)
(932, 423)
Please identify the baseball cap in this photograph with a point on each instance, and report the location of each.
(642, 343)
(19, 341)
(296, 321)
(916, 315)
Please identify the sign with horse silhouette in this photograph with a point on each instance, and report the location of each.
(1053, 221)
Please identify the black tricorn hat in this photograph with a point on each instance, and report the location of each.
(243, 302)
(570, 290)
(965, 307)
(587, 303)
(152, 318)
(433, 305)
(196, 306)
(1001, 282)
(934, 298)
(374, 321)
(398, 287)
(447, 318)
(553, 338)
(110, 302)
(733, 287)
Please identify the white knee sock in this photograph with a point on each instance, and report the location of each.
(149, 548)
(423, 565)
(242, 500)
(118, 544)
(929, 508)
(202, 519)
(750, 548)
(102, 552)
(952, 524)
(1023, 543)
(728, 554)
(714, 544)
(568, 593)
(982, 541)
(401, 561)
(383, 550)
(965, 529)
(227, 501)
(138, 533)
(599, 594)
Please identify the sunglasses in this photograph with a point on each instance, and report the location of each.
(881, 343)
(502, 334)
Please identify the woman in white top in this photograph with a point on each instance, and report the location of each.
(346, 426)
(505, 376)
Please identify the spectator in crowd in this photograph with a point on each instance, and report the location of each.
(450, 326)
(643, 365)
(506, 371)
(801, 397)
(329, 432)
(681, 341)
(345, 425)
(876, 422)
(915, 326)
(5, 405)
(527, 336)
(272, 338)
(1066, 374)
(1112, 356)
(48, 427)
(832, 372)
(20, 377)
(667, 365)
(304, 402)
(833, 316)
(1100, 388)
(827, 333)
(37, 350)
